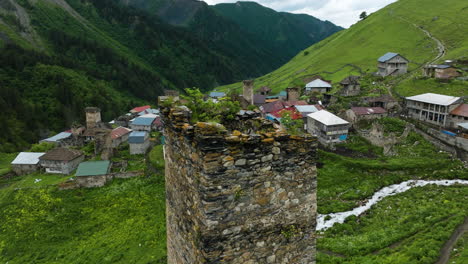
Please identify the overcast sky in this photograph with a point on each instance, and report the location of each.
(341, 12)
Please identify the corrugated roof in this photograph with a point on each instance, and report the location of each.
(137, 137)
(463, 125)
(58, 137)
(432, 98)
(27, 158)
(272, 107)
(462, 110)
(61, 154)
(318, 83)
(143, 121)
(327, 118)
(368, 110)
(307, 108)
(388, 56)
(93, 168)
(217, 94)
(119, 132)
(140, 108)
(259, 99)
(149, 111)
(294, 103)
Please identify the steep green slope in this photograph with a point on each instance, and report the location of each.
(289, 33)
(61, 56)
(394, 28)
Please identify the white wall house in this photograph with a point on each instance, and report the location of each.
(328, 127)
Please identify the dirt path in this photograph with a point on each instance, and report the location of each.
(448, 246)
(441, 51)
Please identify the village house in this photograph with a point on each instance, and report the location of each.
(149, 111)
(259, 99)
(26, 162)
(139, 142)
(61, 160)
(143, 123)
(350, 86)
(278, 105)
(119, 136)
(443, 72)
(92, 173)
(305, 110)
(328, 127)
(356, 114)
(392, 64)
(139, 109)
(123, 120)
(458, 115)
(432, 108)
(318, 85)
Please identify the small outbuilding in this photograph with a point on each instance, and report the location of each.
(392, 64)
(441, 71)
(61, 160)
(328, 127)
(318, 85)
(139, 142)
(355, 114)
(119, 136)
(26, 162)
(92, 173)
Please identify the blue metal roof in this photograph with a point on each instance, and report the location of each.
(388, 56)
(137, 137)
(283, 93)
(143, 121)
(217, 94)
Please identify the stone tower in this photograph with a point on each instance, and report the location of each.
(248, 91)
(293, 93)
(93, 117)
(233, 197)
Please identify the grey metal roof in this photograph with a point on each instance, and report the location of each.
(388, 56)
(143, 121)
(327, 118)
(317, 83)
(58, 137)
(463, 125)
(27, 158)
(306, 108)
(431, 98)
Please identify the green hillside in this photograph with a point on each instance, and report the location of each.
(257, 37)
(59, 57)
(395, 28)
(289, 33)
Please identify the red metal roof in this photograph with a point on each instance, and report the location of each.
(462, 110)
(119, 132)
(140, 109)
(368, 110)
(294, 113)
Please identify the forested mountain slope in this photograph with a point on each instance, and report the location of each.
(399, 27)
(60, 56)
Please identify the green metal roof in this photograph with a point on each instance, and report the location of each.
(93, 168)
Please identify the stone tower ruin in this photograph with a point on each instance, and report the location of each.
(293, 93)
(93, 117)
(244, 193)
(248, 91)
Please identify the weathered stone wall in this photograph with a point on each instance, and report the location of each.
(238, 198)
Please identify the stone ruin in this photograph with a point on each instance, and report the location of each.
(238, 194)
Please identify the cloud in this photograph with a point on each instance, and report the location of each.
(341, 12)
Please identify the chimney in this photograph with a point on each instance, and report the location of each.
(293, 94)
(248, 91)
(93, 117)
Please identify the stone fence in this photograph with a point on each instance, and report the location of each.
(96, 181)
